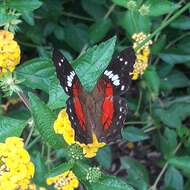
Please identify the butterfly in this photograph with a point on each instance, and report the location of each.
(103, 110)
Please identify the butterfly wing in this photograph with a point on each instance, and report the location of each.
(72, 86)
(114, 82)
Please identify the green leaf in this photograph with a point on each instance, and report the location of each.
(44, 119)
(174, 179)
(159, 45)
(23, 5)
(91, 64)
(104, 157)
(175, 79)
(133, 22)
(168, 142)
(10, 127)
(57, 96)
(98, 30)
(137, 173)
(182, 23)
(36, 73)
(152, 79)
(111, 183)
(76, 36)
(28, 17)
(160, 8)
(181, 162)
(94, 9)
(6, 18)
(59, 169)
(174, 114)
(175, 56)
(40, 169)
(80, 169)
(59, 32)
(122, 3)
(134, 134)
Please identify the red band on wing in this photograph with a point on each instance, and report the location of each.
(77, 106)
(107, 107)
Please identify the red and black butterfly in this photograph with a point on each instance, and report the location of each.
(101, 111)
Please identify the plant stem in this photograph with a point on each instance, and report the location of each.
(135, 122)
(110, 10)
(33, 142)
(163, 25)
(30, 133)
(77, 16)
(154, 186)
(23, 98)
(139, 104)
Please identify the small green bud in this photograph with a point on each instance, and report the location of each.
(144, 10)
(75, 152)
(131, 5)
(93, 174)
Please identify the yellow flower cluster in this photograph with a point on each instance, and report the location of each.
(63, 126)
(64, 181)
(16, 169)
(142, 54)
(9, 52)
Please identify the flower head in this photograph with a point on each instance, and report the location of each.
(144, 10)
(9, 52)
(64, 181)
(93, 174)
(142, 54)
(131, 5)
(16, 169)
(63, 126)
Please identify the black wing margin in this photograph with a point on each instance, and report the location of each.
(65, 72)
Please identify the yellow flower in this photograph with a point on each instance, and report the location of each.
(64, 181)
(142, 54)
(63, 126)
(9, 52)
(89, 150)
(16, 169)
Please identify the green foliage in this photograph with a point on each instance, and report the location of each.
(88, 33)
(10, 127)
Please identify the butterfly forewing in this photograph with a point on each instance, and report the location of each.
(118, 71)
(114, 82)
(65, 72)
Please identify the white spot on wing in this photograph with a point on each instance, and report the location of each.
(105, 72)
(110, 72)
(59, 64)
(126, 62)
(72, 73)
(70, 110)
(115, 77)
(69, 83)
(110, 76)
(121, 59)
(62, 60)
(69, 79)
(122, 87)
(120, 117)
(66, 89)
(116, 83)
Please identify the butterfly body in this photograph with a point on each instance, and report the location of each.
(102, 111)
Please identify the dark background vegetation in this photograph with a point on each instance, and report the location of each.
(156, 137)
